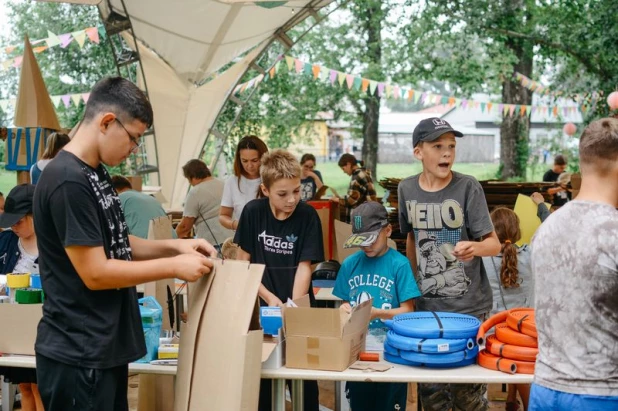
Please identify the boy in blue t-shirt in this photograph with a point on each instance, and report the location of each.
(381, 273)
(444, 214)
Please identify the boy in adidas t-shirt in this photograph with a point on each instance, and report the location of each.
(285, 235)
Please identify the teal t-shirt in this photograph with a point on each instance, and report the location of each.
(387, 279)
(139, 209)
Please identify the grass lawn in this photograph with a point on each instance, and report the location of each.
(334, 177)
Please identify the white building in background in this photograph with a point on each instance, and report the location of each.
(481, 142)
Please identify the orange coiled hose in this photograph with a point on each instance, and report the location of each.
(516, 315)
(513, 352)
(489, 324)
(522, 320)
(508, 336)
(492, 362)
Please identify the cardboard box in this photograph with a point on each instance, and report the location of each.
(18, 325)
(221, 345)
(273, 351)
(325, 338)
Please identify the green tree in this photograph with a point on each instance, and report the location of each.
(69, 70)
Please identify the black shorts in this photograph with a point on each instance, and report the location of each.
(18, 375)
(66, 387)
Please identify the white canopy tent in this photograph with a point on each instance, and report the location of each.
(182, 43)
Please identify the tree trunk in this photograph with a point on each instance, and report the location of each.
(371, 118)
(515, 128)
(372, 21)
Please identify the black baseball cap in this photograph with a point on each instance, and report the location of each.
(17, 204)
(430, 129)
(368, 219)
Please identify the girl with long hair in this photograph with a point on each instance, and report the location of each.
(511, 280)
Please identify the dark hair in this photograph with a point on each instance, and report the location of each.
(121, 97)
(560, 160)
(307, 157)
(348, 158)
(506, 224)
(598, 145)
(54, 144)
(247, 143)
(196, 169)
(121, 183)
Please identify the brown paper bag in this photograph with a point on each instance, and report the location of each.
(220, 351)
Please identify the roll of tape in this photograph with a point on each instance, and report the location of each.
(28, 296)
(18, 280)
(35, 281)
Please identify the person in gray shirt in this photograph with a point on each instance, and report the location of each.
(202, 205)
(575, 265)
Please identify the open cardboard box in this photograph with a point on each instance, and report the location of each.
(19, 323)
(324, 338)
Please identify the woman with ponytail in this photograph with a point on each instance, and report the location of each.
(55, 142)
(361, 187)
(511, 280)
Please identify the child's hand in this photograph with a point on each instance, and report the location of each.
(537, 198)
(274, 302)
(464, 250)
(346, 307)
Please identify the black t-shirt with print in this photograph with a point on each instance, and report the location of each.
(550, 176)
(75, 205)
(280, 245)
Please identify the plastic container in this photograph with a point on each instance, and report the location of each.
(152, 321)
(271, 320)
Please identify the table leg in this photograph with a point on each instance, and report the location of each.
(298, 395)
(278, 395)
(8, 395)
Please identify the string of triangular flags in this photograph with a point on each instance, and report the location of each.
(583, 99)
(64, 99)
(396, 92)
(94, 34)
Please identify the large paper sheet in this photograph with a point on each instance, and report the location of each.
(526, 210)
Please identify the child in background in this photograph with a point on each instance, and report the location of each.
(54, 143)
(310, 179)
(575, 267)
(392, 287)
(361, 187)
(284, 234)
(444, 214)
(512, 283)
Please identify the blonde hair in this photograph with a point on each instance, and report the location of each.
(55, 142)
(278, 164)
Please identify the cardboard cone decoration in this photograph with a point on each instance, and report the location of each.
(34, 107)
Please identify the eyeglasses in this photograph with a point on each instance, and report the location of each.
(134, 140)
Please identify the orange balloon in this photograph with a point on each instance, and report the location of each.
(612, 100)
(569, 129)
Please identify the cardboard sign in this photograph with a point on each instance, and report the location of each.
(526, 210)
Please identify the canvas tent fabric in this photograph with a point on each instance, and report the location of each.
(181, 44)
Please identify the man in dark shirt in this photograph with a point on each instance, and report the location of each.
(91, 327)
(552, 175)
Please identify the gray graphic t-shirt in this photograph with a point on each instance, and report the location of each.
(575, 264)
(439, 221)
